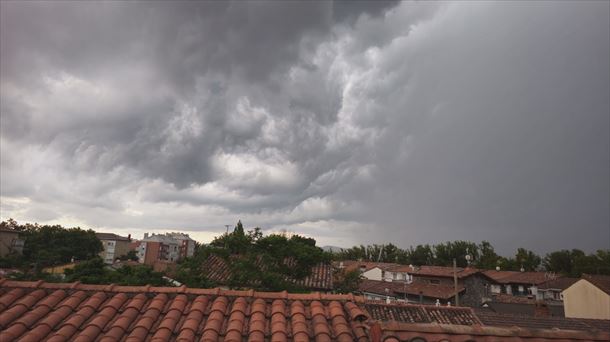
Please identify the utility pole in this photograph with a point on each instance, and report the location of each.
(455, 283)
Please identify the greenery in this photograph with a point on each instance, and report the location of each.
(347, 282)
(270, 262)
(94, 271)
(51, 245)
(571, 263)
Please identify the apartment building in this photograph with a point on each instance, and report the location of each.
(114, 245)
(170, 247)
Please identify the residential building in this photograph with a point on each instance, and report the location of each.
(43, 311)
(114, 245)
(415, 292)
(589, 297)
(10, 242)
(552, 290)
(517, 283)
(170, 247)
(368, 269)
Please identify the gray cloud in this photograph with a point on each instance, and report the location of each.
(386, 121)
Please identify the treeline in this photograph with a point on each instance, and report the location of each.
(52, 245)
(483, 255)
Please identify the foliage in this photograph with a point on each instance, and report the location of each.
(575, 262)
(94, 271)
(270, 262)
(53, 245)
(131, 255)
(347, 282)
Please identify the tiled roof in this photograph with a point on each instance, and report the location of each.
(506, 298)
(601, 281)
(558, 284)
(111, 236)
(216, 269)
(415, 288)
(395, 332)
(410, 313)
(435, 271)
(39, 311)
(36, 311)
(503, 320)
(513, 277)
(352, 265)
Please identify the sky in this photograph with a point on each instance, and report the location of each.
(349, 122)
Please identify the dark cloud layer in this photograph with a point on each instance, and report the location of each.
(353, 122)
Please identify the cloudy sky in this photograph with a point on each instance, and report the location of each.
(349, 122)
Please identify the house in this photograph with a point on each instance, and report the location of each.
(368, 269)
(40, 311)
(114, 245)
(552, 290)
(415, 292)
(171, 247)
(517, 283)
(502, 303)
(475, 286)
(589, 297)
(10, 242)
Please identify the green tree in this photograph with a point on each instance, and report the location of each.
(347, 282)
(488, 259)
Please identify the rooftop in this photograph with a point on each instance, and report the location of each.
(435, 271)
(415, 288)
(600, 281)
(111, 236)
(39, 311)
(514, 277)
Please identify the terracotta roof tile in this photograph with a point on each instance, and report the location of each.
(80, 312)
(435, 271)
(397, 289)
(513, 277)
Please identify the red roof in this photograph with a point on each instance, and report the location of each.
(415, 288)
(217, 269)
(36, 311)
(513, 277)
(39, 311)
(558, 284)
(435, 271)
(531, 322)
(600, 281)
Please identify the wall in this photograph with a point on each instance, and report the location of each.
(477, 289)
(585, 300)
(373, 274)
(8, 241)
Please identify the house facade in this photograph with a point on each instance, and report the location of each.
(589, 297)
(169, 247)
(114, 245)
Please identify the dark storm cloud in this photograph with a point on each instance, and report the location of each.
(353, 121)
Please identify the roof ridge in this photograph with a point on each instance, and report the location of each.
(40, 284)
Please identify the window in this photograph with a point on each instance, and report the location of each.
(495, 289)
(435, 281)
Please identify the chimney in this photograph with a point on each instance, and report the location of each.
(146, 235)
(541, 309)
(129, 237)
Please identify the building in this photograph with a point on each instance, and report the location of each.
(517, 283)
(415, 292)
(552, 289)
(114, 245)
(39, 311)
(589, 297)
(368, 269)
(170, 247)
(10, 242)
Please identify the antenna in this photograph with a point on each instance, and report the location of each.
(227, 225)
